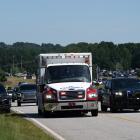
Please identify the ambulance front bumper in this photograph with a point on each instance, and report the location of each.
(69, 106)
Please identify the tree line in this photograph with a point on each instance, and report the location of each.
(21, 56)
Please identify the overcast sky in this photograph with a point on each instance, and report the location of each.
(69, 21)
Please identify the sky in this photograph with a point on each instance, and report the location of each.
(69, 21)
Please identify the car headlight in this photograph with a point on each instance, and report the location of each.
(118, 93)
(19, 94)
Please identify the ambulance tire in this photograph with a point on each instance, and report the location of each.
(94, 113)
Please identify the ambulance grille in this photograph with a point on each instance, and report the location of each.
(71, 95)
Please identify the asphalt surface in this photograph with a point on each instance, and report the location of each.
(107, 126)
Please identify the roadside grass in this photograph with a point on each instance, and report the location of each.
(13, 81)
(15, 127)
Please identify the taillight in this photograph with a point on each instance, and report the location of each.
(50, 94)
(91, 94)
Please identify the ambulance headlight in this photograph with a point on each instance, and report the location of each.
(48, 96)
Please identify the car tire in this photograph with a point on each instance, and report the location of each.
(37, 103)
(113, 110)
(112, 107)
(46, 114)
(94, 113)
(8, 110)
(103, 108)
(13, 100)
(43, 113)
(18, 103)
(136, 109)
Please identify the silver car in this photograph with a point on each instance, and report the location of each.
(26, 94)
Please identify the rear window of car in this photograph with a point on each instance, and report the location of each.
(2, 89)
(28, 87)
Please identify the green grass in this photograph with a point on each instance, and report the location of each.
(13, 81)
(15, 127)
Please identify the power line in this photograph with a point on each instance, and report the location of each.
(18, 64)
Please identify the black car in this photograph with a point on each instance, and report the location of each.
(26, 93)
(121, 93)
(5, 103)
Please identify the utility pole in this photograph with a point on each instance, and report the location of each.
(21, 63)
(97, 72)
(13, 64)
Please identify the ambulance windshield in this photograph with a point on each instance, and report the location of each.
(67, 73)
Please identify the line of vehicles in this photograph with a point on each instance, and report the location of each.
(23, 93)
(64, 84)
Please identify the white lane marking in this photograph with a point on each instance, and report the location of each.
(57, 136)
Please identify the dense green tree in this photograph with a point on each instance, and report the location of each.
(2, 76)
(124, 57)
(22, 55)
(136, 58)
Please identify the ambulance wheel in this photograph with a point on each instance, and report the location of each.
(39, 112)
(94, 113)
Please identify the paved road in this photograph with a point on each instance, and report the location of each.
(107, 126)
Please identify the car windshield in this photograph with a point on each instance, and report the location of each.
(2, 89)
(126, 83)
(28, 87)
(68, 73)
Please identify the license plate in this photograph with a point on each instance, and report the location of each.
(72, 104)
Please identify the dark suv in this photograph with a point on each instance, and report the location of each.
(5, 103)
(121, 93)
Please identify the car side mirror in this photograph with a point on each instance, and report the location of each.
(96, 84)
